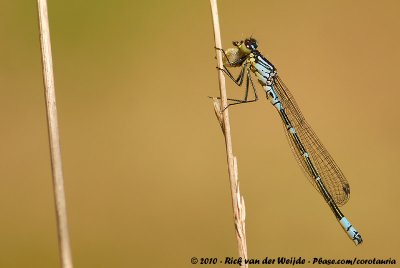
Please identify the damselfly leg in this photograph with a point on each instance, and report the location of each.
(239, 80)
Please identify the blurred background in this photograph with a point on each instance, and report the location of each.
(143, 155)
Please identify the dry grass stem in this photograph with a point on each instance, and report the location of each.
(218, 114)
(223, 119)
(54, 138)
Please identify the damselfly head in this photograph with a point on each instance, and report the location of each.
(251, 43)
(246, 46)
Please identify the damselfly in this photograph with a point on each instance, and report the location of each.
(315, 160)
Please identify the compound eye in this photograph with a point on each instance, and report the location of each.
(251, 44)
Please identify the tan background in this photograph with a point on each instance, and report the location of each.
(143, 155)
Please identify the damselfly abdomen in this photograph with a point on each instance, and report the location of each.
(311, 154)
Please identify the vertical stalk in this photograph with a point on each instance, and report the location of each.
(54, 138)
(239, 212)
